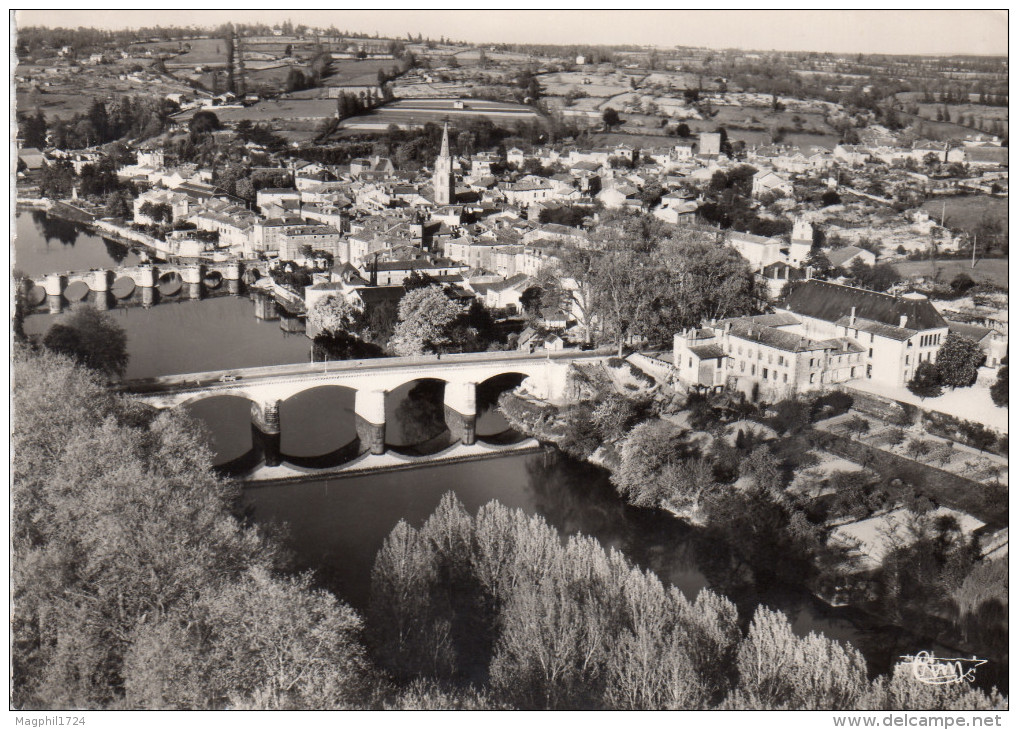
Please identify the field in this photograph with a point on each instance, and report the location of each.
(282, 110)
(966, 211)
(363, 72)
(418, 112)
(64, 94)
(993, 271)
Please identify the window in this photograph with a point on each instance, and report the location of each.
(742, 367)
(719, 363)
(871, 352)
(812, 377)
(785, 377)
(869, 371)
(765, 373)
(752, 369)
(690, 362)
(852, 373)
(871, 338)
(906, 359)
(811, 365)
(781, 359)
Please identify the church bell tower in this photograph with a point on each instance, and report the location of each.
(444, 181)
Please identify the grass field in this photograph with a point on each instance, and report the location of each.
(993, 271)
(418, 112)
(966, 211)
(357, 72)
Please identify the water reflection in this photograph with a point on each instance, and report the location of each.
(44, 244)
(336, 526)
(415, 418)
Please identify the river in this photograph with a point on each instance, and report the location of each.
(336, 525)
(174, 335)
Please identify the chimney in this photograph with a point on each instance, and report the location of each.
(903, 321)
(851, 319)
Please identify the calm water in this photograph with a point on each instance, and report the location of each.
(176, 335)
(45, 245)
(336, 526)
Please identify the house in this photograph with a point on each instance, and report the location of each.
(850, 154)
(757, 250)
(295, 240)
(276, 195)
(766, 354)
(768, 181)
(526, 192)
(507, 294)
(676, 210)
(844, 257)
(32, 158)
(992, 342)
(554, 318)
(709, 144)
(896, 332)
(698, 359)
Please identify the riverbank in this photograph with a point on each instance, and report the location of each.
(387, 462)
(531, 416)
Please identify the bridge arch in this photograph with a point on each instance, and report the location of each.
(491, 426)
(415, 416)
(318, 426)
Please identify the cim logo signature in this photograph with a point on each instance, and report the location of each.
(930, 669)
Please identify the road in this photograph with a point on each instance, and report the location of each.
(185, 381)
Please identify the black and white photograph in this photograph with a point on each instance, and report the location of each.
(508, 360)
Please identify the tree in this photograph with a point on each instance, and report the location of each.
(91, 338)
(33, 130)
(425, 317)
(683, 130)
(778, 670)
(817, 259)
(918, 448)
(998, 391)
(610, 117)
(857, 425)
(204, 122)
(958, 361)
(894, 436)
(647, 475)
(133, 583)
(962, 283)
(332, 315)
(926, 382)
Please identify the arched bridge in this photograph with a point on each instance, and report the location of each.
(545, 376)
(122, 282)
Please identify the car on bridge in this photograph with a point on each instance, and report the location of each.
(228, 378)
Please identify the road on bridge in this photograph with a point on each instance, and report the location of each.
(185, 381)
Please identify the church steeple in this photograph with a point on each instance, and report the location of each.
(445, 141)
(444, 181)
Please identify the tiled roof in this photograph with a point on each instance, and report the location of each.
(972, 331)
(839, 256)
(707, 352)
(773, 337)
(830, 302)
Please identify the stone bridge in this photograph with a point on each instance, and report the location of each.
(545, 376)
(74, 286)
